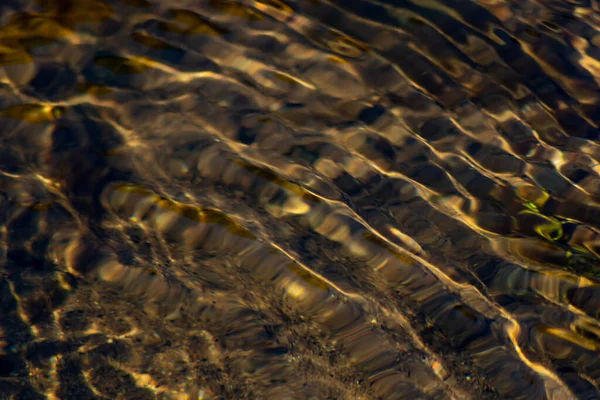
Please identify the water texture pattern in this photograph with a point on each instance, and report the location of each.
(311, 199)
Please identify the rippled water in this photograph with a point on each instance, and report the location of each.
(311, 199)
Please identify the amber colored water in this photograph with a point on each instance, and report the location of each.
(310, 199)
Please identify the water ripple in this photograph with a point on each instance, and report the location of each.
(299, 199)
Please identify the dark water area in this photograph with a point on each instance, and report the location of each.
(312, 199)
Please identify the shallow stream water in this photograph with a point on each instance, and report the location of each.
(311, 199)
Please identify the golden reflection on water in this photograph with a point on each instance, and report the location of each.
(311, 199)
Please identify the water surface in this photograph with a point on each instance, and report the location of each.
(312, 199)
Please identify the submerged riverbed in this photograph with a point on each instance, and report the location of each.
(311, 199)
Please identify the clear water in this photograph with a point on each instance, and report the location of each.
(265, 199)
